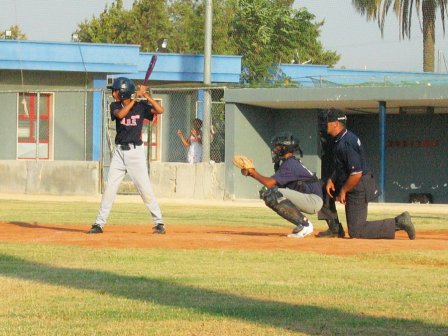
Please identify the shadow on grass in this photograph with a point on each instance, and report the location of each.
(37, 226)
(308, 319)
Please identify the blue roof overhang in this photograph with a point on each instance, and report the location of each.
(70, 56)
(189, 68)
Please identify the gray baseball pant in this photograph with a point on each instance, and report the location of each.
(133, 162)
(308, 203)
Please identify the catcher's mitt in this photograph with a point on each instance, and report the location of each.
(243, 163)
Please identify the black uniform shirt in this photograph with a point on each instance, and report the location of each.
(349, 157)
(129, 129)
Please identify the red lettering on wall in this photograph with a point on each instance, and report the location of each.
(423, 143)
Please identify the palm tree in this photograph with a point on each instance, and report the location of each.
(426, 12)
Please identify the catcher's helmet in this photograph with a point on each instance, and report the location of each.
(282, 144)
(125, 87)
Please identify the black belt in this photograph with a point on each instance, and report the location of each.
(127, 145)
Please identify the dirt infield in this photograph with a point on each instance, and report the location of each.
(188, 237)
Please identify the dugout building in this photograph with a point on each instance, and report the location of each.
(54, 119)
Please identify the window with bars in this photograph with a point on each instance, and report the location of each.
(154, 136)
(33, 125)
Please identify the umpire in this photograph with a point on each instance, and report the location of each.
(352, 183)
(328, 211)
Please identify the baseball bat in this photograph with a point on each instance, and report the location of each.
(151, 65)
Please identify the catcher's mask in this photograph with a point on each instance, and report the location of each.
(282, 144)
(124, 86)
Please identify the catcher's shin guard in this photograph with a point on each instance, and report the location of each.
(275, 200)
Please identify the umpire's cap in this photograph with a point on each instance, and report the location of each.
(336, 115)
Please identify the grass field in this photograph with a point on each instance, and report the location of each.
(49, 288)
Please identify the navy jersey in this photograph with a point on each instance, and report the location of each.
(292, 171)
(129, 129)
(349, 157)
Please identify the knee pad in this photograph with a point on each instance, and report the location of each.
(272, 197)
(275, 200)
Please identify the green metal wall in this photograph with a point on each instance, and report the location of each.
(8, 126)
(249, 131)
(416, 153)
(72, 118)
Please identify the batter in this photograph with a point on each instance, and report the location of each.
(129, 154)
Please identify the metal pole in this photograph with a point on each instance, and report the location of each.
(207, 81)
(37, 133)
(382, 143)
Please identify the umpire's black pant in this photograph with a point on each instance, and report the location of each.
(328, 210)
(357, 202)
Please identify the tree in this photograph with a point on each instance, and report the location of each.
(187, 20)
(148, 21)
(16, 33)
(270, 32)
(264, 32)
(426, 9)
(145, 23)
(187, 26)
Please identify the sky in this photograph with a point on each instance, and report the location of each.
(358, 41)
(360, 44)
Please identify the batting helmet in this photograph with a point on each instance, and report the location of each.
(282, 144)
(124, 86)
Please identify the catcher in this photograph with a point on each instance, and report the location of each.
(293, 189)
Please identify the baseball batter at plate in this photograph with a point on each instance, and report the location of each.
(129, 154)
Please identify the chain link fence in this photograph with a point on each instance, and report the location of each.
(161, 138)
(182, 106)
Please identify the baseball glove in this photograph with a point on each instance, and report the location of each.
(243, 163)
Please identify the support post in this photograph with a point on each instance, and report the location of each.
(206, 122)
(382, 145)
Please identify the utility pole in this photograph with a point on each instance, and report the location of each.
(206, 122)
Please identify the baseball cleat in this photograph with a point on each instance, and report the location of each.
(159, 229)
(306, 231)
(404, 222)
(95, 229)
(327, 234)
(297, 229)
(335, 229)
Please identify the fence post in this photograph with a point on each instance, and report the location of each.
(37, 131)
(382, 143)
(207, 81)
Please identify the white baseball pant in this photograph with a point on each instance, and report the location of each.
(133, 162)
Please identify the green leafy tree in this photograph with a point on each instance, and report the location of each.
(223, 41)
(16, 33)
(148, 22)
(109, 27)
(269, 32)
(144, 24)
(264, 32)
(426, 10)
(187, 20)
